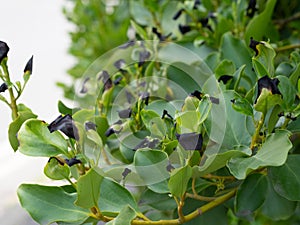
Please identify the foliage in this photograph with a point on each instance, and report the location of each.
(194, 120)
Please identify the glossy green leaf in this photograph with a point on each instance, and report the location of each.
(204, 108)
(15, 126)
(126, 215)
(251, 195)
(288, 91)
(242, 105)
(63, 109)
(257, 27)
(273, 152)
(211, 163)
(184, 121)
(36, 140)
(277, 207)
(151, 165)
(88, 188)
(273, 119)
(237, 51)
(47, 205)
(114, 197)
(179, 180)
(286, 178)
(158, 201)
(54, 170)
(267, 100)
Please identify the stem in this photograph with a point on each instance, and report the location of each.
(13, 103)
(179, 209)
(283, 22)
(287, 47)
(200, 198)
(257, 131)
(193, 215)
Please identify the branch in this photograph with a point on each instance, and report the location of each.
(287, 47)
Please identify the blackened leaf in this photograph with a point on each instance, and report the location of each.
(72, 161)
(84, 88)
(145, 97)
(225, 78)
(196, 94)
(90, 125)
(3, 50)
(109, 132)
(159, 35)
(178, 13)
(66, 125)
(165, 113)
(125, 113)
(251, 8)
(127, 44)
(3, 87)
(204, 23)
(117, 81)
(268, 83)
(190, 141)
(196, 4)
(214, 100)
(253, 44)
(28, 67)
(126, 172)
(147, 143)
(143, 56)
(184, 28)
(120, 64)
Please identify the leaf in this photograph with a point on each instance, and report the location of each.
(286, 178)
(126, 215)
(54, 170)
(141, 14)
(272, 153)
(114, 197)
(211, 163)
(288, 91)
(235, 49)
(15, 126)
(36, 140)
(151, 165)
(63, 109)
(48, 205)
(158, 201)
(267, 100)
(204, 108)
(225, 67)
(88, 188)
(257, 27)
(184, 119)
(179, 180)
(250, 195)
(281, 208)
(263, 63)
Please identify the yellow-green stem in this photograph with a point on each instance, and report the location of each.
(257, 131)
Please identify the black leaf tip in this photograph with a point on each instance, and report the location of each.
(225, 78)
(3, 87)
(28, 67)
(125, 113)
(126, 172)
(178, 14)
(73, 161)
(190, 141)
(184, 28)
(90, 126)
(268, 83)
(3, 50)
(253, 44)
(251, 9)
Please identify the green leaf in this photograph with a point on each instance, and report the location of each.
(158, 201)
(114, 197)
(54, 170)
(63, 109)
(273, 119)
(242, 105)
(286, 178)
(281, 208)
(139, 30)
(141, 14)
(257, 27)
(251, 195)
(88, 188)
(267, 100)
(204, 108)
(235, 49)
(15, 126)
(48, 205)
(184, 119)
(126, 215)
(272, 153)
(263, 63)
(225, 67)
(211, 163)
(179, 180)
(288, 91)
(36, 140)
(151, 165)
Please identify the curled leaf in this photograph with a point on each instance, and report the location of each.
(253, 44)
(66, 125)
(268, 83)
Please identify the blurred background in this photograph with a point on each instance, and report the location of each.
(36, 28)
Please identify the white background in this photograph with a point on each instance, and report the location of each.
(31, 27)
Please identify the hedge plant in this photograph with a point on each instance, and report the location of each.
(192, 118)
